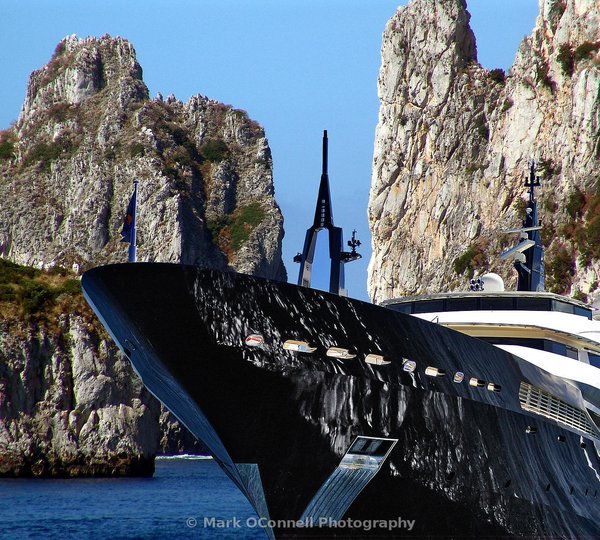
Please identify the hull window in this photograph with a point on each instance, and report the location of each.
(459, 377)
(376, 360)
(298, 346)
(409, 366)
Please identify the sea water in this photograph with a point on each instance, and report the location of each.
(188, 497)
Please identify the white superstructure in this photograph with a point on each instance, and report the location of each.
(552, 332)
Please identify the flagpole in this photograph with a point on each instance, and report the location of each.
(132, 244)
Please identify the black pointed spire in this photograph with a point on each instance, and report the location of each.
(323, 211)
(324, 220)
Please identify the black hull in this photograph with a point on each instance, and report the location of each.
(463, 464)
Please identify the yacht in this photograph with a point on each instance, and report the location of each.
(464, 414)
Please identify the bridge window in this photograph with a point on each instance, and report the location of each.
(540, 344)
(489, 303)
(594, 359)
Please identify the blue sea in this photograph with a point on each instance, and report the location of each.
(178, 502)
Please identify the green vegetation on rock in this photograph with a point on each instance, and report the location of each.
(560, 269)
(7, 145)
(585, 50)
(566, 59)
(470, 260)
(214, 150)
(230, 232)
(35, 292)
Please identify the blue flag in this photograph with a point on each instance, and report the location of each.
(128, 230)
(129, 222)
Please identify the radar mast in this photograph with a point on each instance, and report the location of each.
(529, 254)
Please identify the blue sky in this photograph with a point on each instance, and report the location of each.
(296, 66)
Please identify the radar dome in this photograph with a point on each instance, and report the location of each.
(492, 282)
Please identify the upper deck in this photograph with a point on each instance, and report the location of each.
(489, 301)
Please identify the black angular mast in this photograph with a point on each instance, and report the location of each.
(324, 220)
(531, 272)
(529, 253)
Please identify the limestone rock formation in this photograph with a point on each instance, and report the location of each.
(88, 129)
(70, 403)
(454, 141)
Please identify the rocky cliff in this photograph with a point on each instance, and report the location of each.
(69, 401)
(69, 405)
(454, 141)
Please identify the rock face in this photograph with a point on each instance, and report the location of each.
(69, 405)
(88, 129)
(454, 141)
(69, 401)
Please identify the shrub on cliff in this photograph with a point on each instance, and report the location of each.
(497, 75)
(585, 50)
(230, 232)
(471, 259)
(566, 59)
(36, 293)
(214, 150)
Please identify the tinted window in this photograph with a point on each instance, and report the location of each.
(402, 308)
(594, 359)
(582, 311)
(533, 304)
(563, 307)
(572, 353)
(540, 344)
(525, 342)
(429, 306)
(461, 304)
(497, 303)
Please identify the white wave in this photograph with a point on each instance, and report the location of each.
(184, 456)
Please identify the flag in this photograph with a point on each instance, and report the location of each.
(129, 221)
(128, 230)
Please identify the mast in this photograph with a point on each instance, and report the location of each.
(529, 254)
(324, 220)
(531, 273)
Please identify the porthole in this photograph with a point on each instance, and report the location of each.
(409, 365)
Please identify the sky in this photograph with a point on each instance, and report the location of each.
(296, 66)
